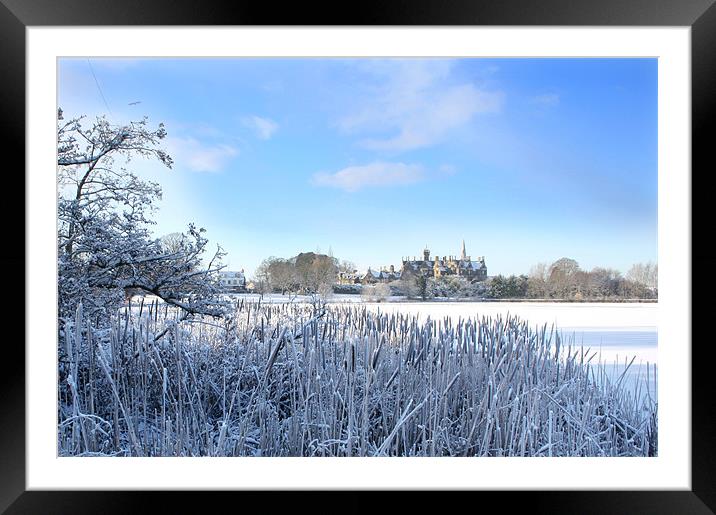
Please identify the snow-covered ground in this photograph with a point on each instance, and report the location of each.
(566, 315)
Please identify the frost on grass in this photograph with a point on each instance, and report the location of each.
(331, 380)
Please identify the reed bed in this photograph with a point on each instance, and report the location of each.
(332, 380)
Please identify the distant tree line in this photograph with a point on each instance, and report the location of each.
(314, 273)
(564, 279)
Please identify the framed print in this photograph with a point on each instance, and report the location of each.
(424, 250)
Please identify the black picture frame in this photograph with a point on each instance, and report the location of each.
(700, 15)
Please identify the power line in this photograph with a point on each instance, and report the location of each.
(99, 88)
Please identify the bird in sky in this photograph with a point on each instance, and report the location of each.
(135, 103)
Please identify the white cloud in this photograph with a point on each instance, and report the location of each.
(378, 174)
(273, 86)
(263, 127)
(415, 104)
(197, 156)
(547, 100)
(447, 169)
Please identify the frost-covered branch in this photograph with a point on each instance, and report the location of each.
(105, 249)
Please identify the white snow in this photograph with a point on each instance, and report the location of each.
(566, 315)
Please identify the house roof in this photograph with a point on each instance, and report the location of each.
(475, 265)
(419, 264)
(225, 274)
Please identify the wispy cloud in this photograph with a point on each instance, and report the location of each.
(273, 86)
(264, 128)
(377, 174)
(546, 100)
(415, 103)
(446, 169)
(198, 156)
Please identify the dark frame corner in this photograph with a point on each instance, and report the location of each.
(700, 15)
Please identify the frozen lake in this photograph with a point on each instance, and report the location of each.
(616, 329)
(617, 332)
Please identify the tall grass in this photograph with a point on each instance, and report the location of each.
(316, 380)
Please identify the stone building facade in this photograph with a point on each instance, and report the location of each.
(461, 266)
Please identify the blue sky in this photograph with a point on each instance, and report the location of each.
(527, 160)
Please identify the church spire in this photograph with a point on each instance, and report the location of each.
(463, 255)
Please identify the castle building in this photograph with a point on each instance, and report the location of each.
(462, 266)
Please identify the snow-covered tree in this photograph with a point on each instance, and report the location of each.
(282, 275)
(347, 267)
(382, 291)
(174, 241)
(314, 270)
(325, 291)
(105, 247)
(562, 275)
(376, 292)
(537, 282)
(646, 274)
